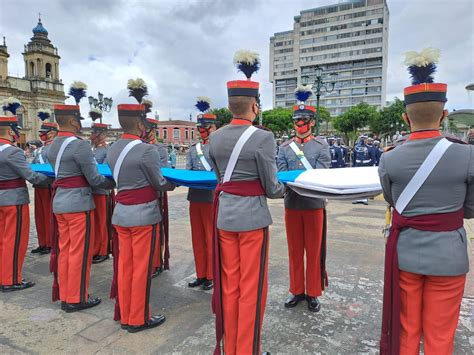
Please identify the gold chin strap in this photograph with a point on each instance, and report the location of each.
(388, 222)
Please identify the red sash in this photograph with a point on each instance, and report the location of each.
(73, 182)
(12, 184)
(442, 222)
(239, 188)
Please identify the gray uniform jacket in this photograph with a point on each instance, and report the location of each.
(100, 156)
(163, 152)
(193, 162)
(77, 160)
(43, 152)
(318, 155)
(256, 161)
(13, 165)
(449, 188)
(140, 168)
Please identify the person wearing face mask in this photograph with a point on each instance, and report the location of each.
(100, 250)
(200, 201)
(73, 206)
(47, 133)
(14, 204)
(305, 218)
(161, 257)
(429, 182)
(136, 169)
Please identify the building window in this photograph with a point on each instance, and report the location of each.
(176, 133)
(165, 133)
(158, 133)
(186, 134)
(48, 70)
(192, 134)
(32, 69)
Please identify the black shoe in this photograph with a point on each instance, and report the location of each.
(37, 250)
(208, 285)
(18, 287)
(45, 251)
(75, 307)
(99, 259)
(313, 304)
(157, 272)
(266, 353)
(363, 202)
(154, 322)
(292, 300)
(197, 282)
(124, 326)
(63, 305)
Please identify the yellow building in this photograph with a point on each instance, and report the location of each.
(41, 86)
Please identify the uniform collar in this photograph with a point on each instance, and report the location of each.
(66, 134)
(129, 136)
(240, 121)
(432, 133)
(5, 141)
(304, 140)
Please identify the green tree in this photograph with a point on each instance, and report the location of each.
(278, 120)
(325, 117)
(389, 121)
(355, 118)
(224, 116)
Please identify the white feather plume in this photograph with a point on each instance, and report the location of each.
(147, 102)
(246, 56)
(307, 87)
(204, 99)
(96, 110)
(136, 84)
(422, 59)
(78, 85)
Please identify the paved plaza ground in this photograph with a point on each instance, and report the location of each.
(349, 322)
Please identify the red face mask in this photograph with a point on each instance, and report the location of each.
(43, 137)
(302, 127)
(204, 133)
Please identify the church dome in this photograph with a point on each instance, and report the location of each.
(39, 29)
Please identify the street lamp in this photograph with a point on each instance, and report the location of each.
(102, 103)
(320, 84)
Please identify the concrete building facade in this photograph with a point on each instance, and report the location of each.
(349, 38)
(40, 88)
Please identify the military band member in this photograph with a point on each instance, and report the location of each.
(337, 159)
(136, 169)
(73, 204)
(200, 201)
(14, 206)
(47, 132)
(100, 249)
(305, 217)
(243, 158)
(430, 183)
(362, 153)
(345, 151)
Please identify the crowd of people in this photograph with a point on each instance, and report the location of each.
(82, 216)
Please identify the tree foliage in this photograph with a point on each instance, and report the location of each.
(224, 116)
(389, 121)
(324, 116)
(278, 120)
(355, 118)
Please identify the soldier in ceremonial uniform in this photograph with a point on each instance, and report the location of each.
(162, 241)
(243, 158)
(136, 169)
(305, 217)
(429, 181)
(200, 201)
(47, 133)
(100, 250)
(337, 159)
(14, 206)
(362, 154)
(73, 204)
(345, 151)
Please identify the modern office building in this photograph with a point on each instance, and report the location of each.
(349, 38)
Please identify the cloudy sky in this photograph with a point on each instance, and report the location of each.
(184, 48)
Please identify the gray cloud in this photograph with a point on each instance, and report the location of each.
(184, 48)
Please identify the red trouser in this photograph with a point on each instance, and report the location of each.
(137, 246)
(304, 230)
(430, 308)
(43, 216)
(14, 232)
(158, 253)
(201, 231)
(244, 271)
(100, 232)
(75, 255)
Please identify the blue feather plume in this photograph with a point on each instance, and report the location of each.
(248, 69)
(12, 107)
(77, 93)
(43, 116)
(422, 74)
(202, 105)
(303, 93)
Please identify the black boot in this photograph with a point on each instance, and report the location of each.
(75, 307)
(157, 272)
(292, 300)
(197, 282)
(45, 250)
(99, 259)
(208, 285)
(37, 250)
(18, 287)
(154, 322)
(313, 304)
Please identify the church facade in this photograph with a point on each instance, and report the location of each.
(41, 86)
